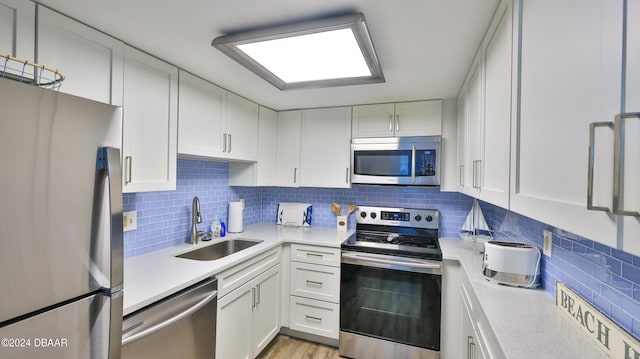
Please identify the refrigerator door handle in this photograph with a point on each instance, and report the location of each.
(108, 172)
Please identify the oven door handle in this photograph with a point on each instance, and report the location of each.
(384, 262)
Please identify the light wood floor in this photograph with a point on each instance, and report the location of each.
(286, 347)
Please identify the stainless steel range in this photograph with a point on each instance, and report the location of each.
(391, 280)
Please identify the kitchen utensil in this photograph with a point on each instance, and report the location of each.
(336, 209)
(352, 207)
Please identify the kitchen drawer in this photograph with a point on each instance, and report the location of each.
(315, 254)
(487, 339)
(236, 276)
(315, 281)
(315, 317)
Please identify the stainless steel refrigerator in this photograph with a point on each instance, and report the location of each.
(61, 250)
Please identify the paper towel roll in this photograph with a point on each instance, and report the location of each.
(235, 217)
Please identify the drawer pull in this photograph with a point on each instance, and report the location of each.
(314, 255)
(313, 282)
(316, 319)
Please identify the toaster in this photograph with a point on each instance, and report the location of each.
(513, 264)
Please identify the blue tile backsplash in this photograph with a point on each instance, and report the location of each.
(608, 278)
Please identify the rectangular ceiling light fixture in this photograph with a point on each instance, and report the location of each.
(334, 51)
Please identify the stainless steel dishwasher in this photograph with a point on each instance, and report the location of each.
(180, 326)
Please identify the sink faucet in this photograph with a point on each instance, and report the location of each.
(196, 217)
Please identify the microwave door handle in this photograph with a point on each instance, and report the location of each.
(413, 165)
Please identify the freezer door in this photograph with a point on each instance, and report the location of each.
(76, 330)
(54, 245)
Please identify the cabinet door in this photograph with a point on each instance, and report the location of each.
(234, 321)
(267, 132)
(90, 60)
(632, 130)
(17, 25)
(241, 128)
(570, 77)
(420, 118)
(288, 148)
(266, 314)
(325, 147)
(467, 344)
(462, 139)
(373, 120)
(496, 122)
(473, 156)
(202, 110)
(150, 123)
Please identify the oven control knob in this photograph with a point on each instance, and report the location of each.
(373, 215)
(417, 217)
(363, 214)
(429, 218)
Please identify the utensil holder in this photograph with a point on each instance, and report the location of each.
(342, 222)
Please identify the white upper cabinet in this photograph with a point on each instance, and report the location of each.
(630, 166)
(473, 125)
(288, 148)
(91, 61)
(262, 172)
(571, 56)
(496, 125)
(325, 147)
(150, 124)
(215, 123)
(462, 139)
(266, 166)
(201, 117)
(17, 26)
(418, 118)
(241, 128)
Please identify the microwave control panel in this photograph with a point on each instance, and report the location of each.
(426, 162)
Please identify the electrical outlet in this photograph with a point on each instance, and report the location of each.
(548, 242)
(129, 221)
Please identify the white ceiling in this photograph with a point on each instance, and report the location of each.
(425, 46)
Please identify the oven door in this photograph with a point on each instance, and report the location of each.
(389, 304)
(396, 161)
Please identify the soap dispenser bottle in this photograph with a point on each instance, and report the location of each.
(216, 228)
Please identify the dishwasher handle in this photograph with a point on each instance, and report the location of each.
(165, 323)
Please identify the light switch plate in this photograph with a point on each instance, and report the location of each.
(129, 221)
(547, 242)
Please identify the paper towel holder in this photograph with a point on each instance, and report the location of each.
(236, 211)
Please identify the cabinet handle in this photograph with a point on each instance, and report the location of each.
(618, 164)
(397, 123)
(469, 347)
(128, 165)
(592, 150)
(413, 165)
(295, 175)
(347, 175)
(253, 298)
(476, 174)
(314, 255)
(390, 123)
(313, 318)
(461, 174)
(224, 142)
(229, 150)
(313, 282)
(258, 294)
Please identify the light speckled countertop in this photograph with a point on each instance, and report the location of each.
(525, 322)
(156, 275)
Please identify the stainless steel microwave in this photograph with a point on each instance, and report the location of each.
(403, 161)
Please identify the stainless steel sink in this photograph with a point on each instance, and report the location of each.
(219, 250)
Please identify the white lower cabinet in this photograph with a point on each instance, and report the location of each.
(477, 340)
(249, 317)
(315, 290)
